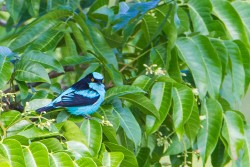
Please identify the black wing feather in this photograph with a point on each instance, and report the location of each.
(73, 99)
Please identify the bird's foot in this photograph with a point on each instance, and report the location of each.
(87, 116)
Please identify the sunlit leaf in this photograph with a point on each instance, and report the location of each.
(129, 157)
(208, 135)
(233, 132)
(11, 150)
(121, 90)
(92, 135)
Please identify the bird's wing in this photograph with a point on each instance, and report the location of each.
(74, 98)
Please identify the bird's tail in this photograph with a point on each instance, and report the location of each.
(46, 108)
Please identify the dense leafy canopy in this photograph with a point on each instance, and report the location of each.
(175, 72)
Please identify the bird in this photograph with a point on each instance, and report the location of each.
(82, 98)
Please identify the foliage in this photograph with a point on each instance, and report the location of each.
(175, 72)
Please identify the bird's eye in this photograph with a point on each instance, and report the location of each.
(92, 79)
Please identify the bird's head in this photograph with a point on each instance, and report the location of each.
(95, 77)
(95, 81)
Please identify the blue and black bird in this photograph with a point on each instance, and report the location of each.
(82, 98)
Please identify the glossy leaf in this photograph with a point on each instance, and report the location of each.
(233, 132)
(200, 13)
(86, 161)
(129, 157)
(183, 100)
(211, 126)
(8, 118)
(211, 63)
(78, 149)
(61, 159)
(233, 86)
(121, 90)
(161, 95)
(36, 155)
(128, 123)
(144, 82)
(44, 59)
(143, 103)
(15, 9)
(73, 132)
(32, 33)
(34, 132)
(6, 67)
(192, 125)
(31, 72)
(47, 40)
(233, 23)
(92, 131)
(190, 53)
(112, 159)
(11, 150)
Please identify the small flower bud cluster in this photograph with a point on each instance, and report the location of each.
(46, 124)
(154, 70)
(106, 122)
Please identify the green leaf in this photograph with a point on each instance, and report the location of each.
(35, 133)
(231, 19)
(245, 159)
(92, 135)
(31, 72)
(74, 60)
(244, 51)
(161, 96)
(129, 157)
(211, 126)
(234, 82)
(114, 74)
(183, 100)
(17, 126)
(47, 40)
(211, 63)
(73, 132)
(52, 144)
(200, 12)
(143, 103)
(60, 159)
(102, 48)
(221, 50)
(44, 59)
(149, 27)
(177, 146)
(121, 90)
(78, 36)
(233, 133)
(241, 8)
(191, 55)
(32, 32)
(143, 156)
(78, 149)
(128, 123)
(8, 118)
(15, 9)
(112, 159)
(86, 161)
(144, 82)
(192, 125)
(34, 8)
(11, 150)
(6, 67)
(158, 56)
(36, 155)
